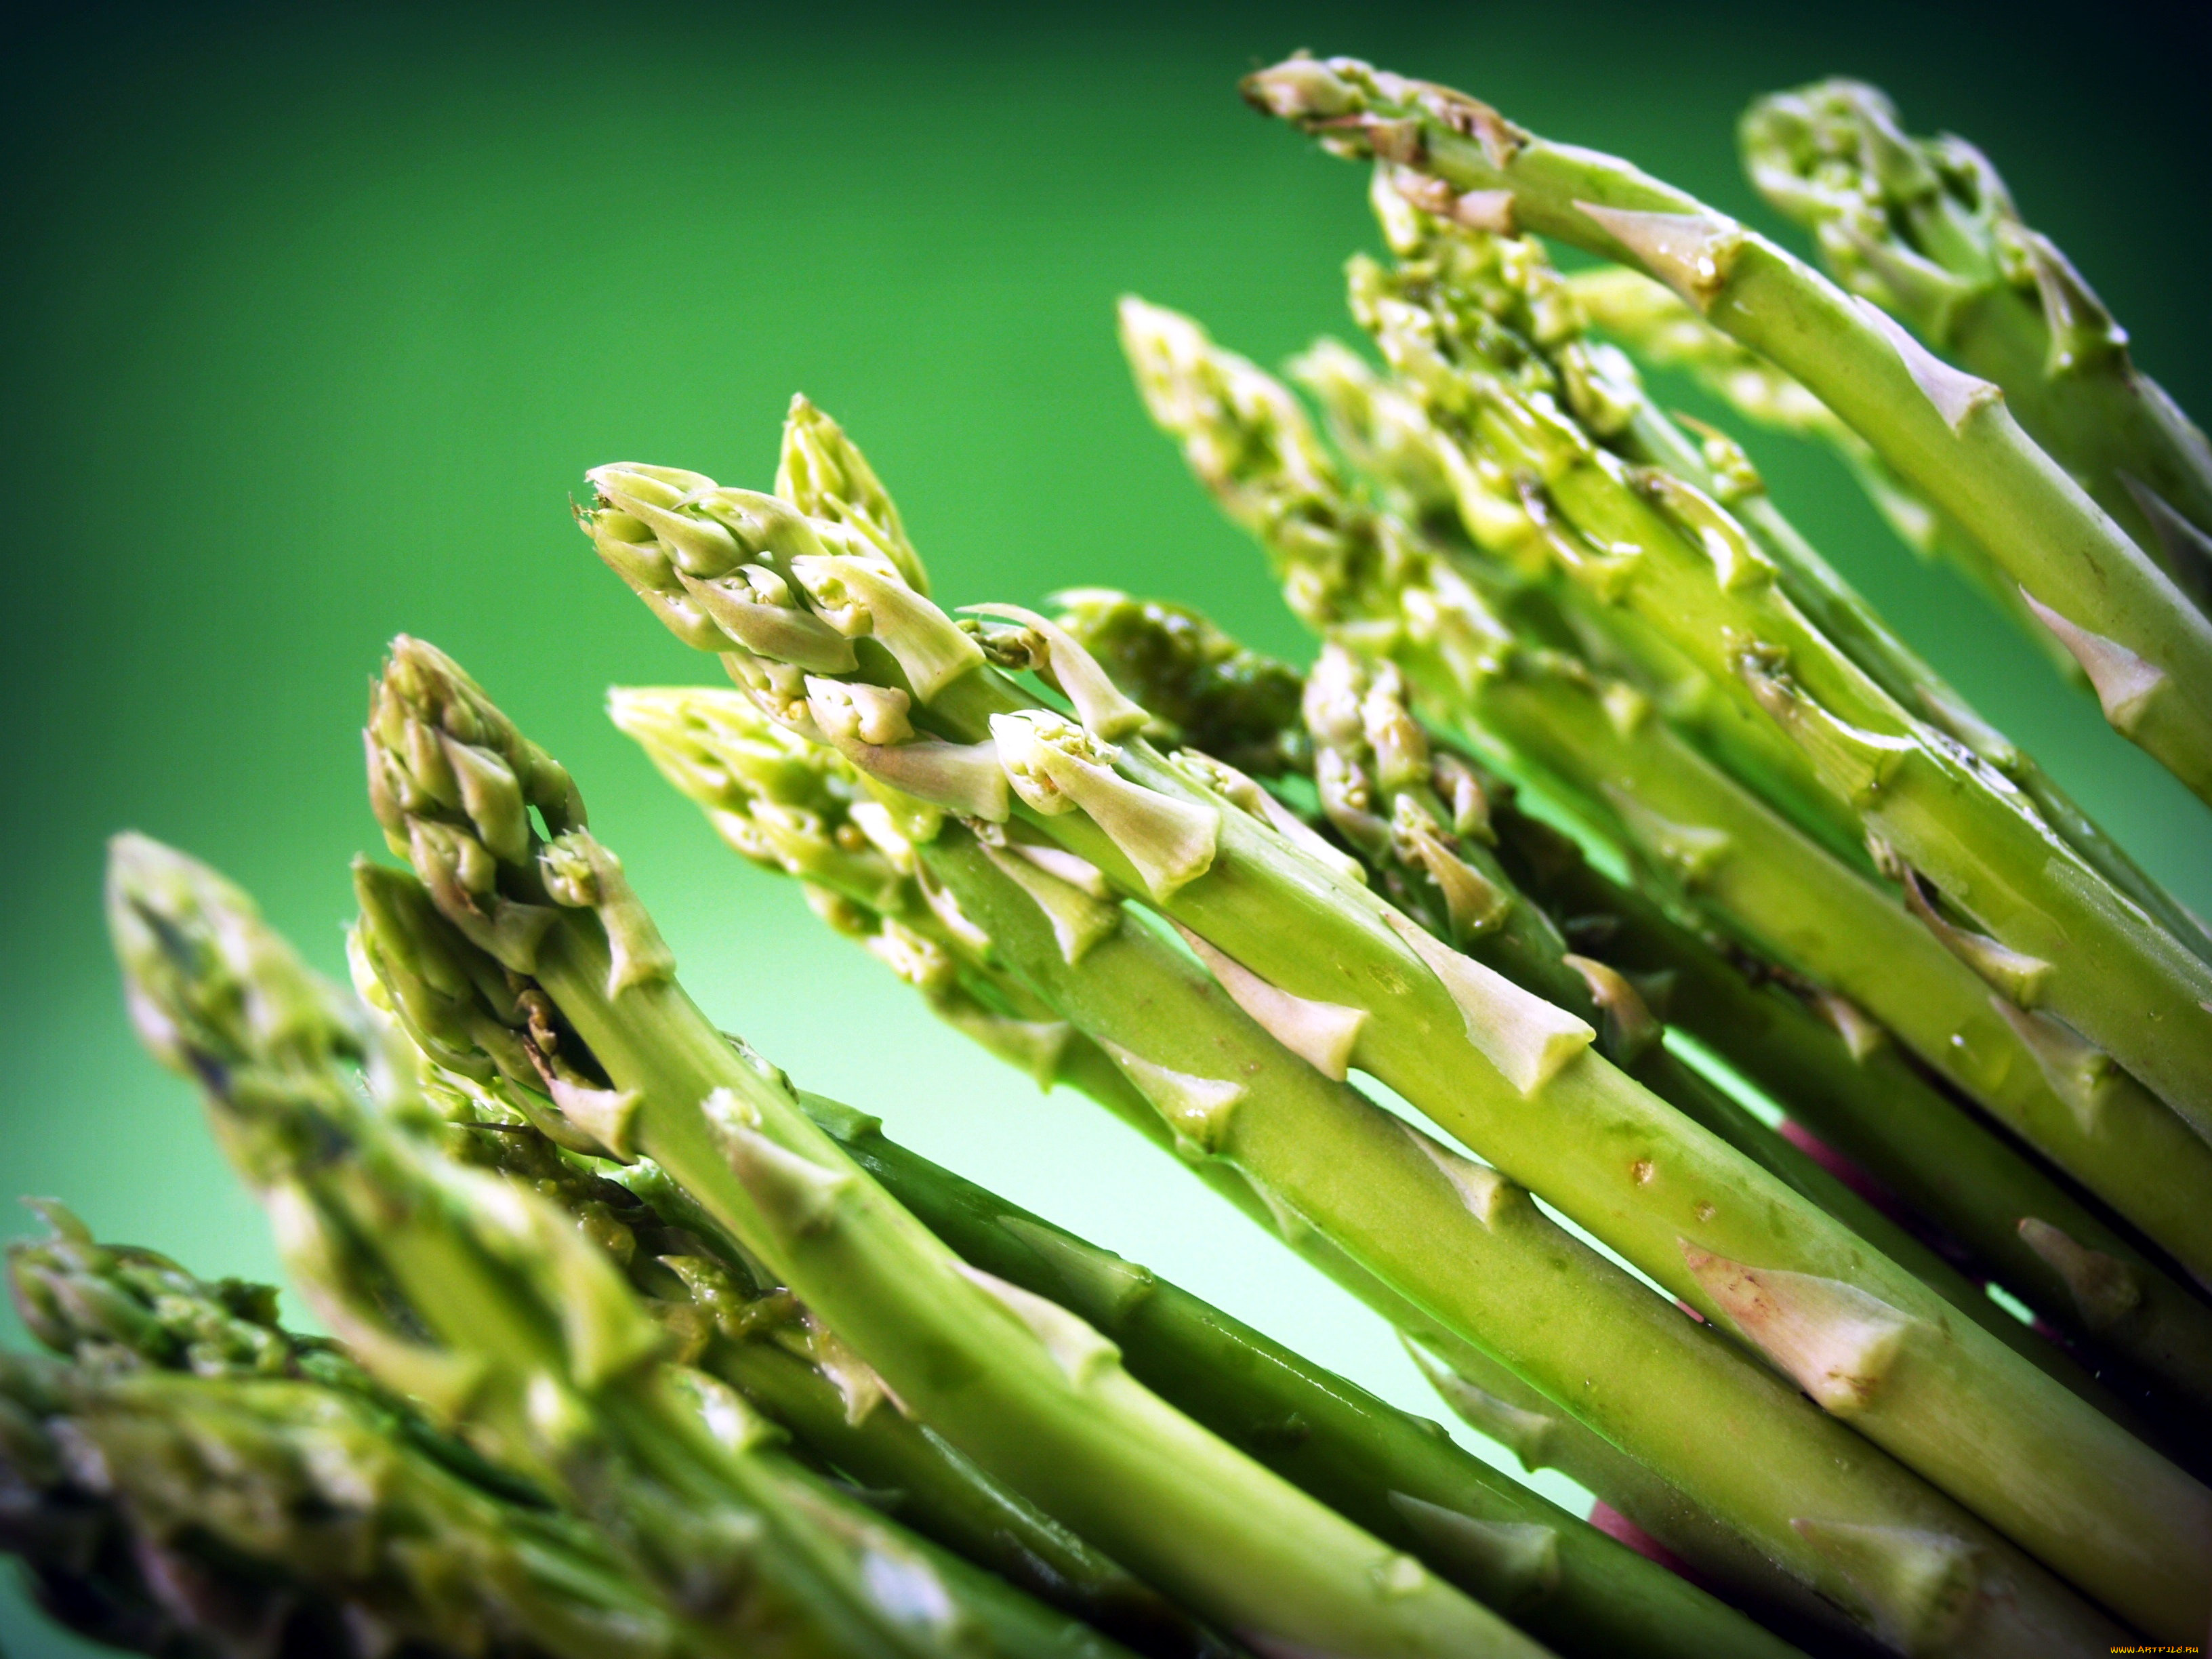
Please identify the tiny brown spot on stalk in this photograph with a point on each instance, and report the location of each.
(1642, 1170)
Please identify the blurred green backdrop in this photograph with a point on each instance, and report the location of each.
(314, 317)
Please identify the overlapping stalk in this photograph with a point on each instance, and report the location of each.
(1650, 540)
(198, 1479)
(1556, 1577)
(1464, 1246)
(1837, 1075)
(1660, 328)
(1034, 1397)
(2145, 647)
(1379, 584)
(723, 1318)
(710, 745)
(1381, 790)
(1925, 229)
(917, 706)
(485, 1302)
(1853, 1090)
(1535, 309)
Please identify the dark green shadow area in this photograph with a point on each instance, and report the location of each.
(314, 319)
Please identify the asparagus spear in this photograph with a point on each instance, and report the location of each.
(728, 1318)
(1375, 772)
(1556, 1575)
(1856, 1094)
(1925, 229)
(2147, 650)
(1461, 1244)
(1460, 1043)
(1717, 466)
(535, 1343)
(1491, 1399)
(1379, 584)
(2057, 935)
(270, 1485)
(1029, 1391)
(1511, 282)
(1660, 328)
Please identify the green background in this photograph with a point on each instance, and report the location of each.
(313, 320)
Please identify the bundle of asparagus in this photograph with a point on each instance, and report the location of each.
(1818, 1103)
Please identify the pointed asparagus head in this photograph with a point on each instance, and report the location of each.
(1241, 430)
(119, 1307)
(778, 594)
(1918, 226)
(822, 473)
(1359, 110)
(455, 785)
(212, 990)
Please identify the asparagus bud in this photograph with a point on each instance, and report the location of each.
(823, 473)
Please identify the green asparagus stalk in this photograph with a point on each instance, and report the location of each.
(1463, 1245)
(1376, 780)
(1513, 563)
(1835, 1072)
(1659, 327)
(1556, 1575)
(756, 1335)
(535, 1343)
(263, 1469)
(1490, 1399)
(1459, 1042)
(1720, 469)
(2057, 935)
(1034, 1397)
(2147, 650)
(1856, 1093)
(1926, 229)
(1511, 282)
(1378, 583)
